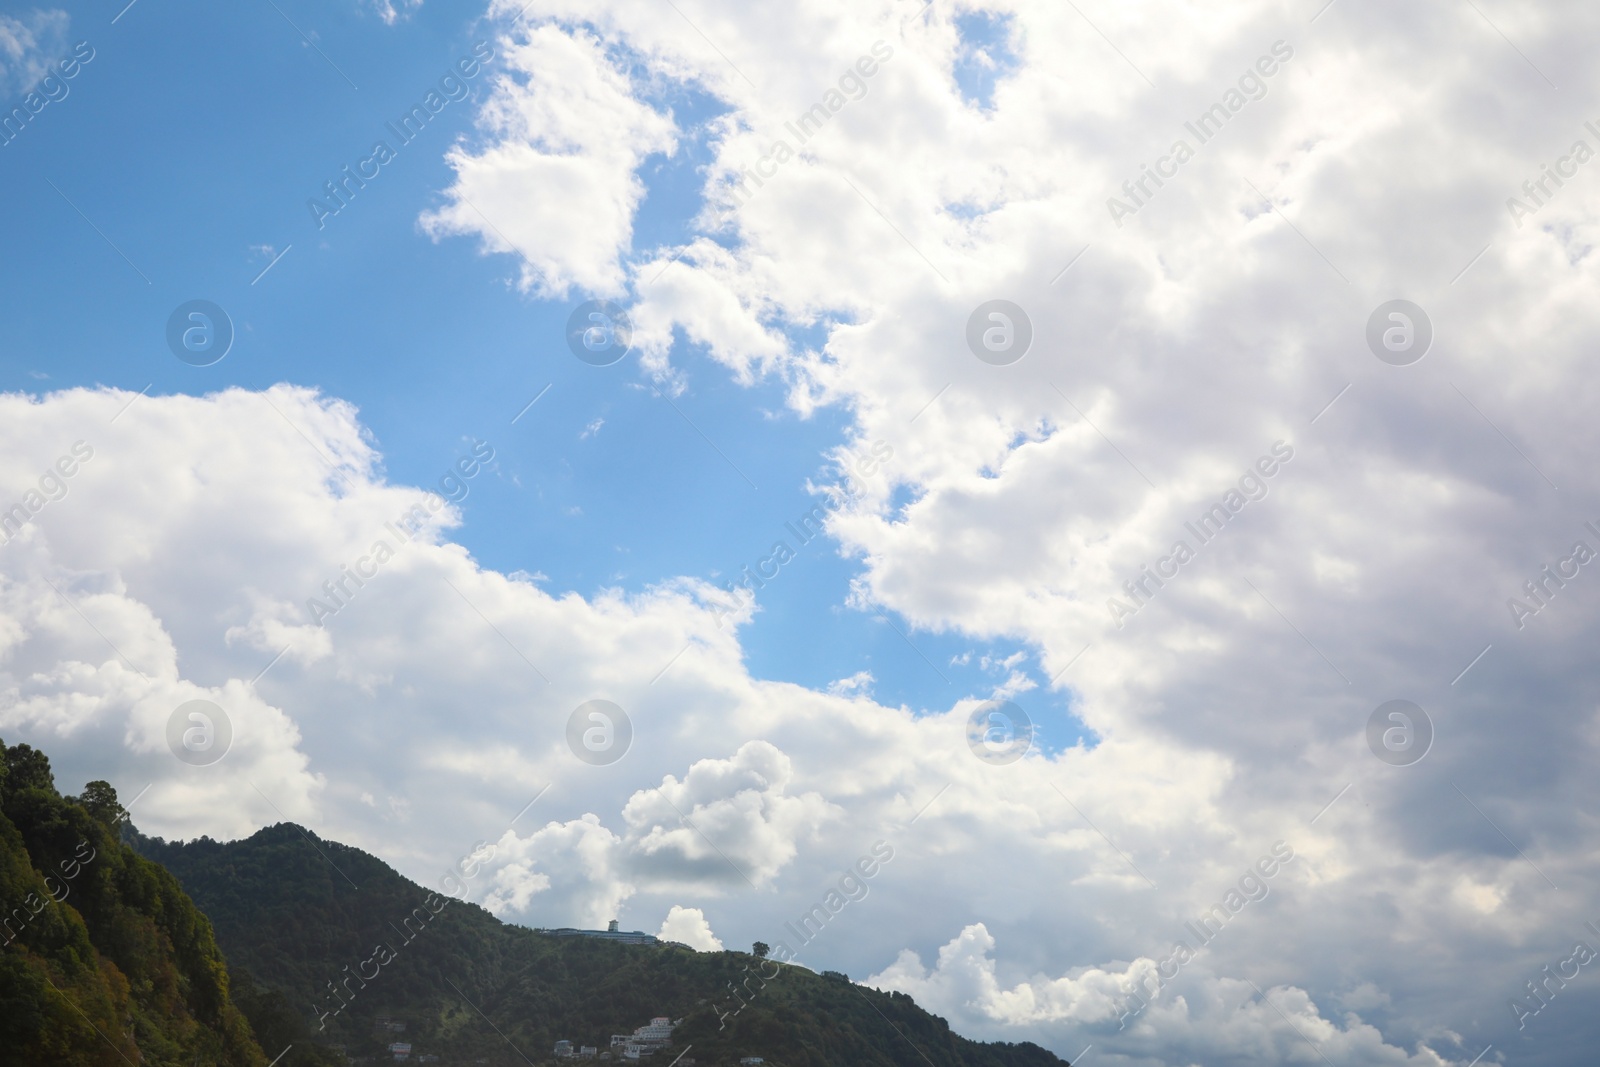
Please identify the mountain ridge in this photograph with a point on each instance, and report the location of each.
(349, 942)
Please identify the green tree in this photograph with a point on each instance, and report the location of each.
(106, 961)
(101, 800)
(26, 768)
(761, 948)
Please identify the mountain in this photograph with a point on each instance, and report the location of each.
(105, 961)
(350, 943)
(113, 954)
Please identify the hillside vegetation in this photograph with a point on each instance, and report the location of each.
(106, 962)
(349, 942)
(114, 942)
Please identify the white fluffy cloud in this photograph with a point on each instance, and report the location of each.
(1207, 1019)
(1228, 712)
(1184, 344)
(183, 496)
(963, 980)
(738, 802)
(727, 823)
(555, 178)
(689, 926)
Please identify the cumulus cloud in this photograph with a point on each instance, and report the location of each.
(109, 624)
(1220, 320)
(727, 818)
(186, 494)
(1223, 319)
(689, 926)
(728, 823)
(963, 981)
(1210, 1019)
(574, 862)
(562, 119)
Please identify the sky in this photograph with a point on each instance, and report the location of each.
(1125, 463)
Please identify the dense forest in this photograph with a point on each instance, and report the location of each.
(106, 961)
(306, 917)
(111, 959)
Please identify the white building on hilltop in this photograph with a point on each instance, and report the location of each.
(646, 1039)
(610, 933)
(659, 1032)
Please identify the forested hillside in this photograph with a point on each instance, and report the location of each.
(350, 942)
(110, 958)
(106, 962)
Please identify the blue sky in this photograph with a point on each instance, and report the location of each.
(983, 161)
(196, 163)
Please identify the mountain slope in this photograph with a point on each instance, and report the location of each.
(106, 961)
(349, 941)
